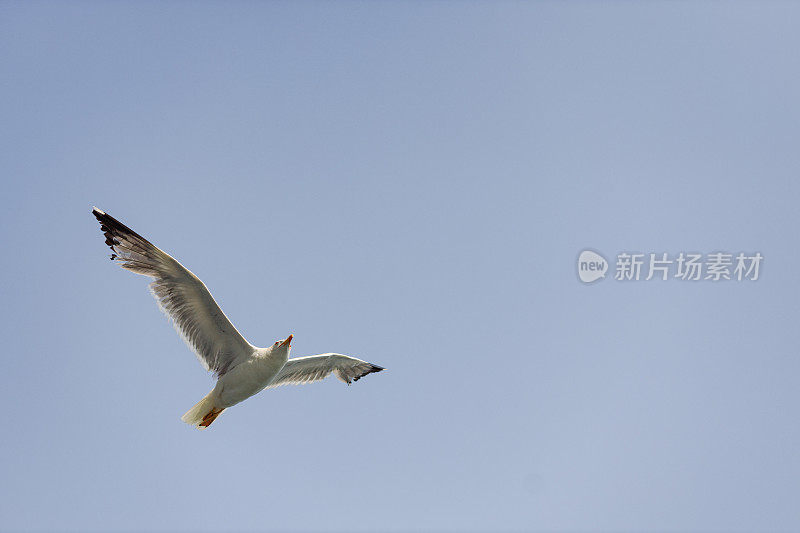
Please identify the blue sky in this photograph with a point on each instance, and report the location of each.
(411, 184)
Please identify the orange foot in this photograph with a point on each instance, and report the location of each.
(211, 416)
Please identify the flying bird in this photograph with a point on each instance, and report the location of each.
(242, 370)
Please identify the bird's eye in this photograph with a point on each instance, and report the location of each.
(276, 342)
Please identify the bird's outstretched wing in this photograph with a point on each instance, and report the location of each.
(181, 295)
(301, 370)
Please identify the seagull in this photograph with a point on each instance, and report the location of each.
(242, 370)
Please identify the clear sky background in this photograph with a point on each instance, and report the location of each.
(409, 183)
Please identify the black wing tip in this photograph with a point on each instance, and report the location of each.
(372, 368)
(106, 226)
(110, 225)
(100, 215)
(103, 217)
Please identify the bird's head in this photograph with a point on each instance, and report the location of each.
(285, 344)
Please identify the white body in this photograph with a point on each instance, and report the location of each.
(250, 377)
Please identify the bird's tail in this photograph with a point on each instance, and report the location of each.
(204, 412)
